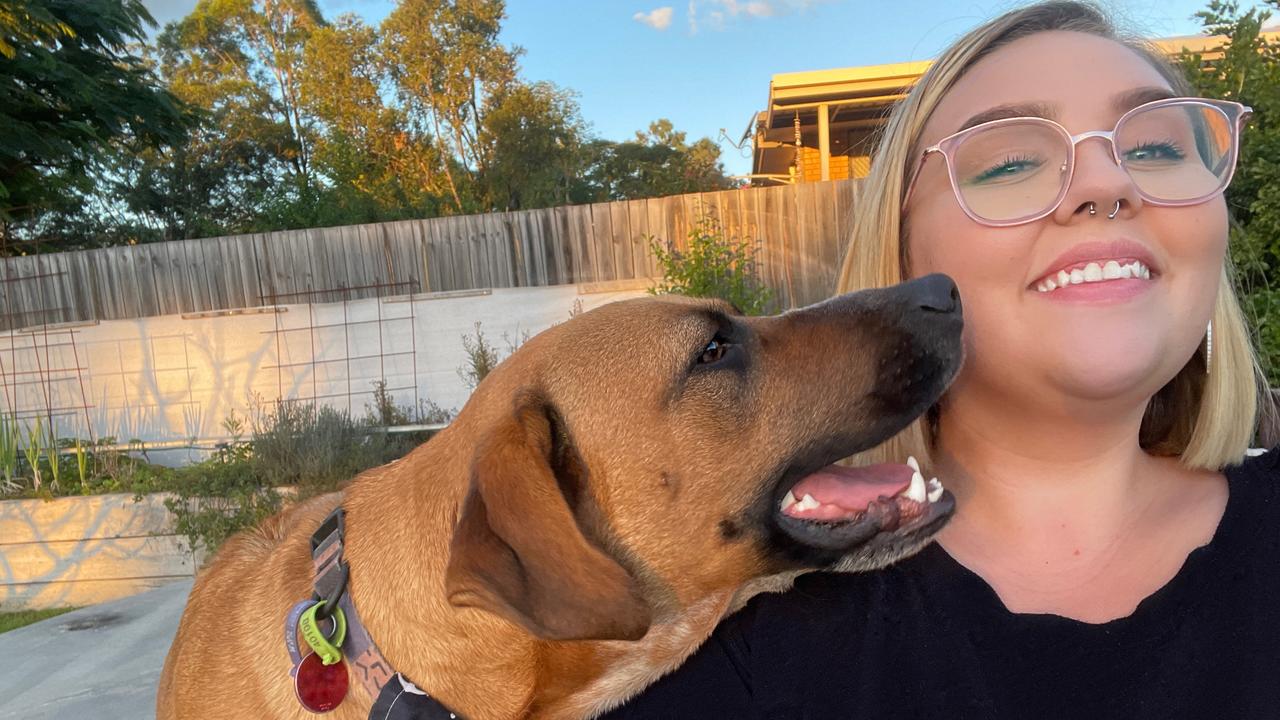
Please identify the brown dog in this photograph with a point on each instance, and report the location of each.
(604, 498)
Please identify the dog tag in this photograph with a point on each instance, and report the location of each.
(326, 647)
(319, 687)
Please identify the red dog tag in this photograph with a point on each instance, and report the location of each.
(320, 687)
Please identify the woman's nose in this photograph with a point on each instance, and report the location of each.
(1098, 179)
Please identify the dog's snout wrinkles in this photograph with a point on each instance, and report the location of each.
(935, 293)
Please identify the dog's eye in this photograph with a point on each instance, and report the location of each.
(713, 352)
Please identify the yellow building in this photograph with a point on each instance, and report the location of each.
(828, 118)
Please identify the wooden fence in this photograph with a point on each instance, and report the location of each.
(798, 231)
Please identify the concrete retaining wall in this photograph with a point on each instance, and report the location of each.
(86, 550)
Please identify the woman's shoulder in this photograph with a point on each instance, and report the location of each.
(1251, 522)
(1257, 478)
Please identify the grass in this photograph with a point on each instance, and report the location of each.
(14, 620)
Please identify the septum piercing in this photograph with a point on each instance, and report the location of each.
(1093, 210)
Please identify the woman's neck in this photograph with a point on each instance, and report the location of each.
(1066, 513)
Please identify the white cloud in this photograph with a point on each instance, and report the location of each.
(722, 12)
(659, 19)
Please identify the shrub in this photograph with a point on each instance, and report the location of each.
(713, 266)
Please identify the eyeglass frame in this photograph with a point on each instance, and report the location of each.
(948, 144)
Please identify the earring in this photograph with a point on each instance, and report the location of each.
(1093, 209)
(1208, 349)
(1114, 213)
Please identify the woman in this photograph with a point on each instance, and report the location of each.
(1114, 553)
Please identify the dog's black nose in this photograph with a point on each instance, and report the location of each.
(935, 293)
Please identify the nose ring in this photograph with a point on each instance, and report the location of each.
(1093, 209)
(1112, 215)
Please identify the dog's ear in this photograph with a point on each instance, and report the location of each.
(519, 552)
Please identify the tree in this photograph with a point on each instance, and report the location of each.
(379, 166)
(447, 64)
(248, 166)
(71, 92)
(1249, 72)
(658, 162)
(534, 135)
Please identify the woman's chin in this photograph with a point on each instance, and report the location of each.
(1113, 378)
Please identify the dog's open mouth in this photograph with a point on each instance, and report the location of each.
(838, 507)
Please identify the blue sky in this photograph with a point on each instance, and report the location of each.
(706, 64)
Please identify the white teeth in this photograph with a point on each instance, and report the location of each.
(807, 503)
(911, 461)
(935, 490)
(788, 501)
(916, 492)
(1093, 272)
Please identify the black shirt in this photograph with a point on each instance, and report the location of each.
(927, 638)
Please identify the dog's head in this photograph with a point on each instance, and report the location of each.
(652, 452)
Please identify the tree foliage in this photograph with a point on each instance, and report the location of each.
(1248, 71)
(293, 120)
(72, 93)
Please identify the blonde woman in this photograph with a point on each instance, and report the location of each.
(1116, 551)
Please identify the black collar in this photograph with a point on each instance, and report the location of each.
(395, 698)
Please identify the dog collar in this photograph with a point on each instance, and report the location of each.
(395, 698)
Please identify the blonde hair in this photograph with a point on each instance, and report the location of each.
(1207, 420)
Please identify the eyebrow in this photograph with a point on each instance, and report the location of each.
(1121, 103)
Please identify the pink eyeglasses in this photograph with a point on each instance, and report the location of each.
(1177, 151)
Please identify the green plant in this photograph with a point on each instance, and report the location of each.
(385, 412)
(32, 451)
(482, 358)
(9, 442)
(217, 498)
(55, 466)
(712, 266)
(1247, 70)
(82, 466)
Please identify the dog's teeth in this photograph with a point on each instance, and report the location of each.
(935, 489)
(916, 491)
(911, 460)
(788, 501)
(807, 503)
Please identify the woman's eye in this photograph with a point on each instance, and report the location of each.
(1154, 152)
(1009, 169)
(713, 352)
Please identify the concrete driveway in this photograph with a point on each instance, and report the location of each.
(97, 663)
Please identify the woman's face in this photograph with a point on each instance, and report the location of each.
(1121, 339)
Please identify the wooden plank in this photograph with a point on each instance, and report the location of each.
(602, 238)
(502, 258)
(519, 265)
(620, 223)
(586, 257)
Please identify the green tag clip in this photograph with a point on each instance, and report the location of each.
(326, 647)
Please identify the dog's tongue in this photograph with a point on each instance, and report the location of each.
(850, 489)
